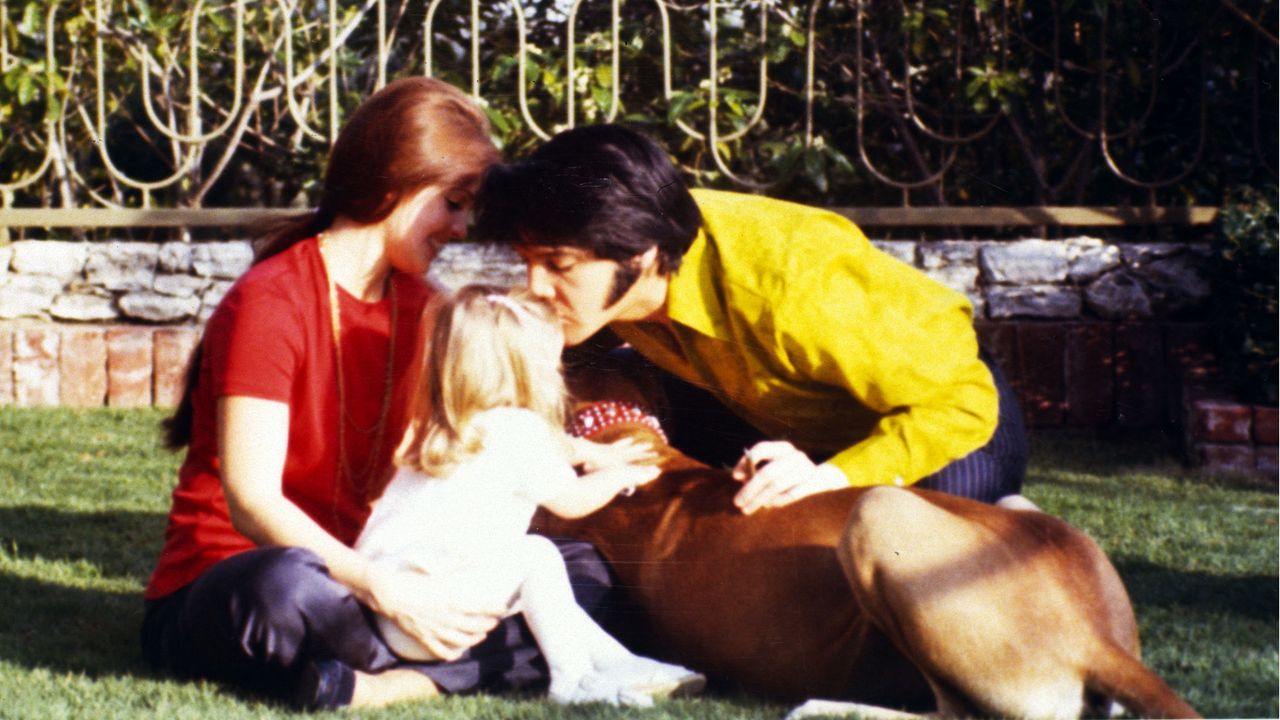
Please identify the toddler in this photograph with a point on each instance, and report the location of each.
(484, 448)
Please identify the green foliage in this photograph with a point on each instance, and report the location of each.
(1248, 266)
(988, 84)
(1013, 90)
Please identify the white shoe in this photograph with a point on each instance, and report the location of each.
(630, 681)
(597, 688)
(653, 678)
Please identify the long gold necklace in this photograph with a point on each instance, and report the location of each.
(362, 481)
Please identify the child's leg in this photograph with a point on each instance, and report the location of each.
(586, 663)
(570, 640)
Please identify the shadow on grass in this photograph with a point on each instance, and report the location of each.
(116, 543)
(1248, 596)
(1088, 449)
(70, 629)
(65, 619)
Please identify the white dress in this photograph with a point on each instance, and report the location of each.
(470, 529)
(469, 525)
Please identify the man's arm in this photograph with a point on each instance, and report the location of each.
(900, 345)
(908, 352)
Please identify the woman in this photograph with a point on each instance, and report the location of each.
(293, 408)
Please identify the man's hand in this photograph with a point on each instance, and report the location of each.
(428, 610)
(775, 473)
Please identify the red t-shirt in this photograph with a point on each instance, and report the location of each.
(272, 338)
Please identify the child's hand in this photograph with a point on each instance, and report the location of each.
(616, 469)
(594, 456)
(629, 477)
(629, 452)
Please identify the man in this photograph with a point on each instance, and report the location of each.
(847, 366)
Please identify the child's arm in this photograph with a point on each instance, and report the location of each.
(594, 490)
(598, 456)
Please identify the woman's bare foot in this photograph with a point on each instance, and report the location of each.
(391, 686)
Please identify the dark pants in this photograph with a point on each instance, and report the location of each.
(255, 619)
(700, 426)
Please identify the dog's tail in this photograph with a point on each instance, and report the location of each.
(1117, 674)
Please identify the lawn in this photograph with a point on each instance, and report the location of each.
(83, 496)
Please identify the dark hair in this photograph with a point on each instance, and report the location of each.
(603, 188)
(412, 133)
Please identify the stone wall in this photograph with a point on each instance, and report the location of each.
(1090, 333)
(181, 283)
(113, 282)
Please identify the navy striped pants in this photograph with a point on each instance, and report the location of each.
(701, 427)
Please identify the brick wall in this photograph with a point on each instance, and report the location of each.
(1227, 435)
(44, 365)
(1072, 374)
(1100, 374)
(1067, 374)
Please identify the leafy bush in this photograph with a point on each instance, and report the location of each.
(937, 102)
(1247, 274)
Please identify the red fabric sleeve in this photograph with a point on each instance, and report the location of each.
(257, 349)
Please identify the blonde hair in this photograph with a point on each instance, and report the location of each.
(482, 347)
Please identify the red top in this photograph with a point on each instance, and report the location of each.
(271, 337)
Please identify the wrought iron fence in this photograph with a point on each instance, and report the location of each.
(225, 103)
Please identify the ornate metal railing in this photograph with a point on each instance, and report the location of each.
(166, 104)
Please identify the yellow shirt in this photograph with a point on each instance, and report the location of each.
(807, 331)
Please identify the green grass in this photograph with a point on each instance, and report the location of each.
(83, 497)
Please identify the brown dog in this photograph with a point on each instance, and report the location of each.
(898, 597)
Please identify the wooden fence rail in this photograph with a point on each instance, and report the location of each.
(1032, 216)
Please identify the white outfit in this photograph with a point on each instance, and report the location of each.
(481, 507)
(472, 527)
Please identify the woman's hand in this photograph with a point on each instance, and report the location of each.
(776, 473)
(426, 608)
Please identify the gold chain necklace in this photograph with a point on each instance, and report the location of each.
(360, 482)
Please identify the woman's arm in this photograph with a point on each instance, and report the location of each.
(253, 442)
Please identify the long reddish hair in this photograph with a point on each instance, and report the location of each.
(413, 133)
